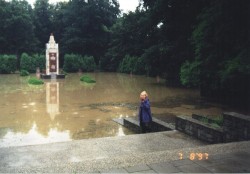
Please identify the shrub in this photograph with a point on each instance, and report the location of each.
(30, 63)
(8, 64)
(24, 73)
(132, 64)
(215, 121)
(218, 120)
(190, 74)
(39, 61)
(35, 81)
(73, 62)
(88, 63)
(26, 63)
(87, 79)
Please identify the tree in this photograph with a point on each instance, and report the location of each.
(129, 36)
(221, 42)
(88, 25)
(42, 22)
(175, 20)
(17, 29)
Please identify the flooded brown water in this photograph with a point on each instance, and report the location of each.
(67, 109)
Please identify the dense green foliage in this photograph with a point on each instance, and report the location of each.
(190, 74)
(30, 63)
(194, 43)
(75, 63)
(87, 79)
(87, 26)
(222, 46)
(42, 15)
(17, 29)
(82, 27)
(35, 81)
(215, 121)
(72, 62)
(88, 63)
(134, 65)
(24, 73)
(8, 64)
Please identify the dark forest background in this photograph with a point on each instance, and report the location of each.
(192, 43)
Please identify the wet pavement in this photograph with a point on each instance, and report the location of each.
(161, 152)
(235, 162)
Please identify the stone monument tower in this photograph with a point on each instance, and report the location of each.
(52, 55)
(52, 60)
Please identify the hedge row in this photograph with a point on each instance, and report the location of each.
(131, 64)
(8, 64)
(30, 63)
(74, 63)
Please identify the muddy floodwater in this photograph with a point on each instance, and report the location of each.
(67, 109)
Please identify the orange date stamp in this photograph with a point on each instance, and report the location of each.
(194, 156)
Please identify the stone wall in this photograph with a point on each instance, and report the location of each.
(198, 129)
(236, 127)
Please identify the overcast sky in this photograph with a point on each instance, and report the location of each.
(128, 5)
(125, 5)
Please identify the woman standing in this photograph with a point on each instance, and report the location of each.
(145, 117)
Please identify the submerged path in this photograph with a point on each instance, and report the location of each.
(154, 152)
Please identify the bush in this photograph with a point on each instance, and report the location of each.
(88, 63)
(190, 74)
(87, 79)
(30, 63)
(73, 62)
(8, 64)
(218, 120)
(24, 73)
(26, 63)
(39, 61)
(35, 81)
(132, 64)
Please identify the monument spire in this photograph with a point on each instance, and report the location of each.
(51, 39)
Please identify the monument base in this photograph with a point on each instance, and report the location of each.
(57, 76)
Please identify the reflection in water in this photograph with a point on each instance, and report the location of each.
(52, 99)
(69, 109)
(120, 131)
(33, 137)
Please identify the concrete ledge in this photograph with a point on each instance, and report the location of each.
(199, 130)
(161, 125)
(236, 115)
(133, 124)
